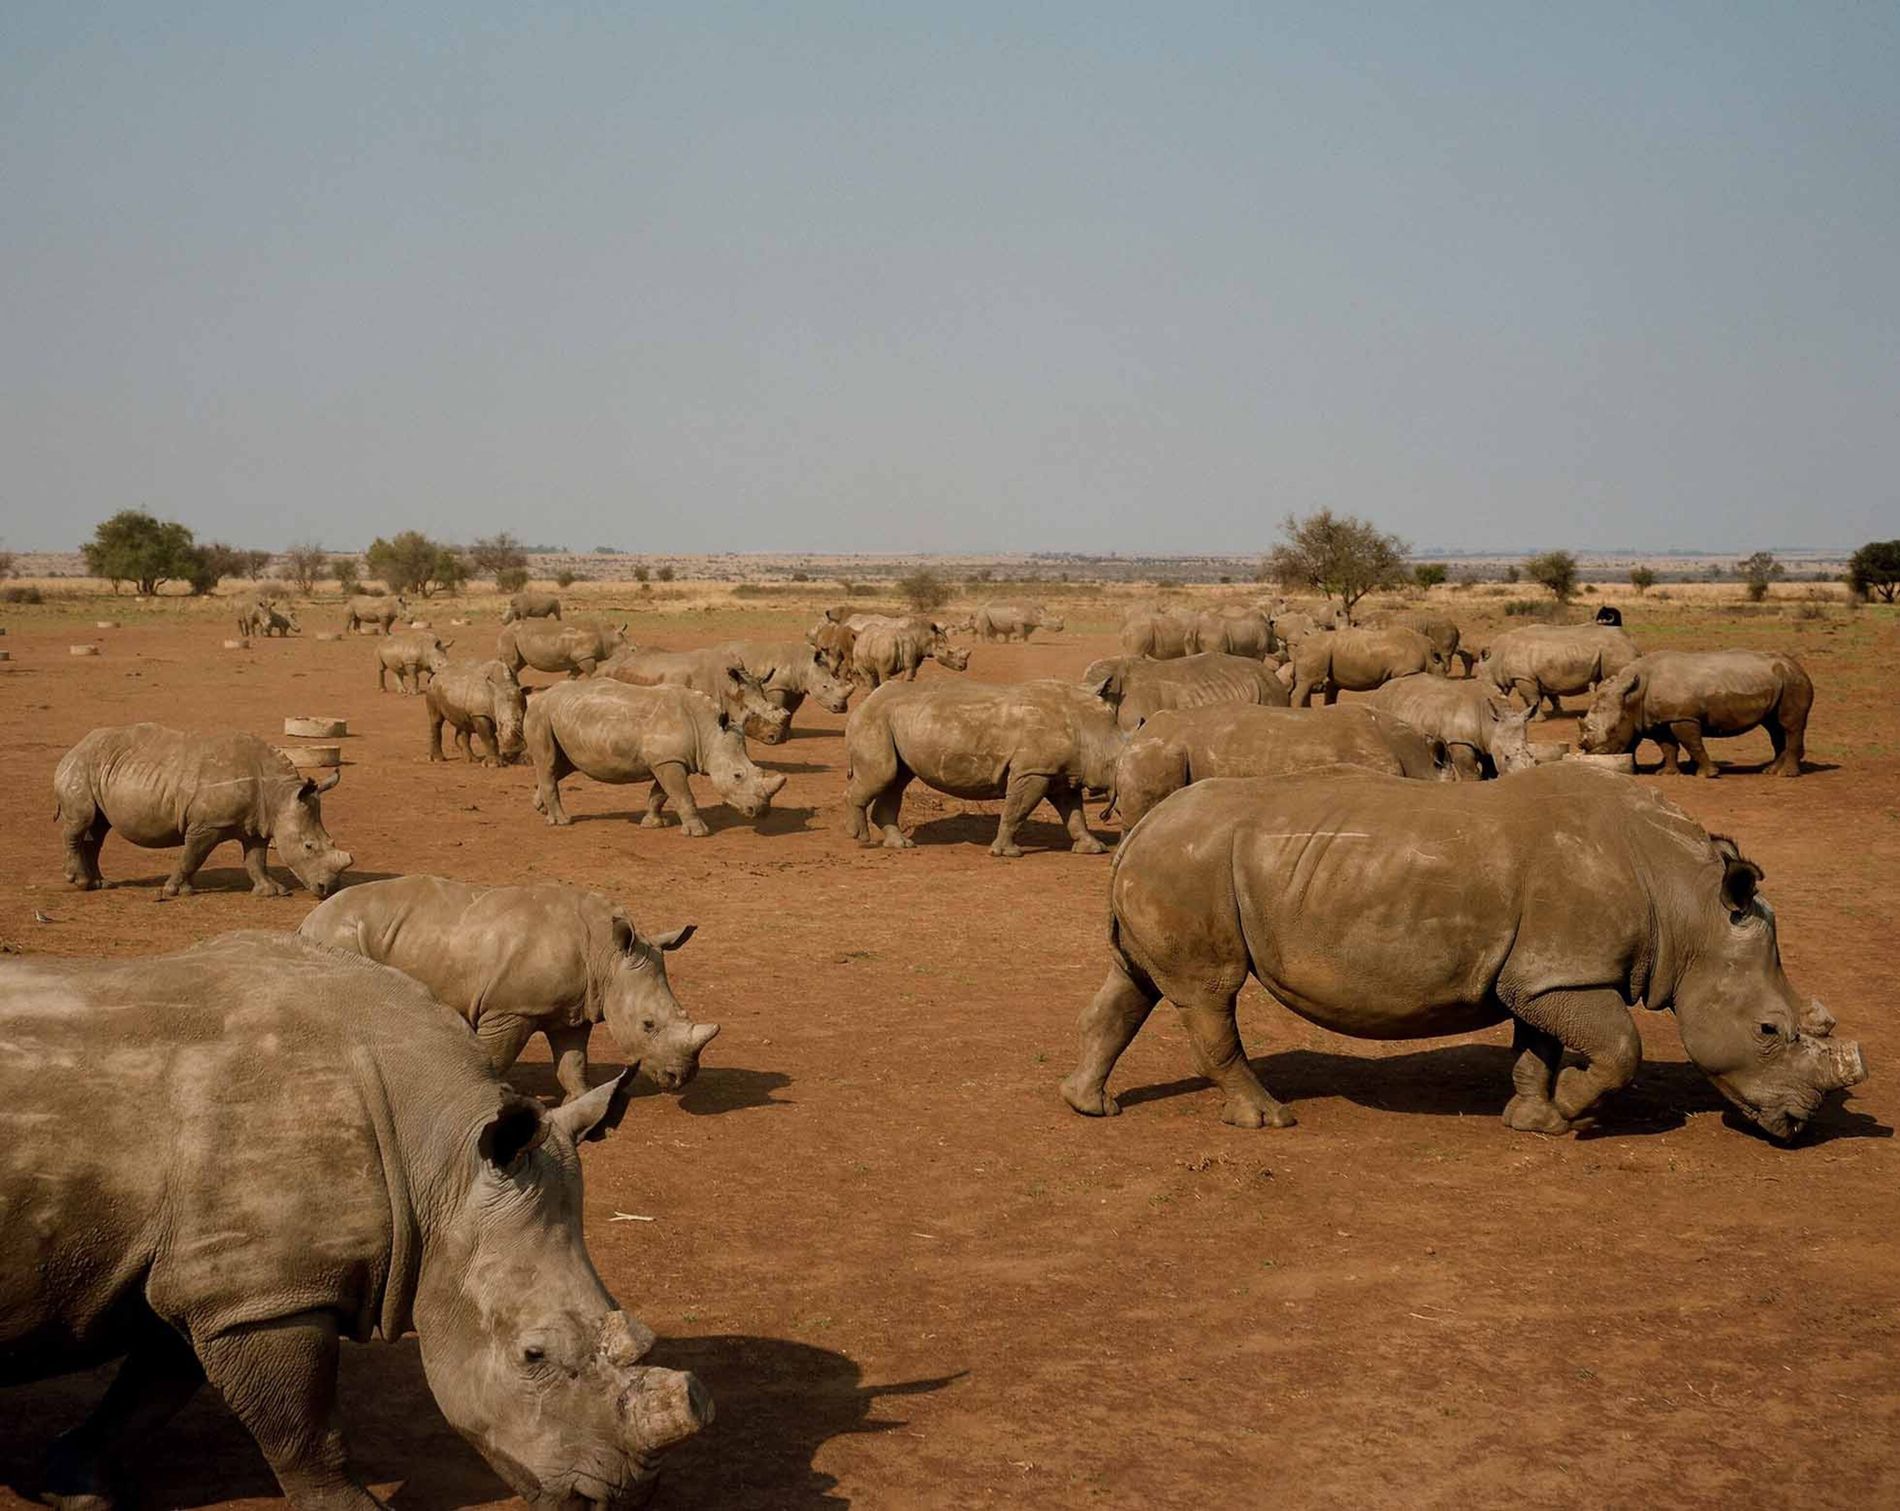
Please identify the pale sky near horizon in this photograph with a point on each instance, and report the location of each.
(978, 277)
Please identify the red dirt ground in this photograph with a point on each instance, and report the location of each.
(912, 1277)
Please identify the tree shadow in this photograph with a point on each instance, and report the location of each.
(778, 1402)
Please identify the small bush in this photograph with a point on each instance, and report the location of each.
(511, 579)
(1530, 608)
(665, 574)
(564, 578)
(924, 590)
(18, 594)
(801, 577)
(1642, 579)
(1810, 610)
(1590, 587)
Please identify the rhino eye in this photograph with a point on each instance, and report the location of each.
(533, 1354)
(1766, 1030)
(646, 1026)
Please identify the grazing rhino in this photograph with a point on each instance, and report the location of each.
(520, 961)
(160, 787)
(265, 619)
(1138, 689)
(290, 1146)
(615, 733)
(1484, 735)
(1682, 697)
(885, 652)
(1235, 630)
(1020, 743)
(531, 605)
(1005, 619)
(576, 647)
(414, 656)
(790, 671)
(1444, 635)
(1161, 634)
(482, 701)
(366, 612)
(1386, 909)
(1359, 660)
(1180, 746)
(1550, 661)
(718, 673)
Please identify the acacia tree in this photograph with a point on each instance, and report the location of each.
(1556, 570)
(147, 552)
(1429, 574)
(1875, 569)
(412, 563)
(1343, 556)
(498, 554)
(924, 590)
(304, 563)
(1642, 579)
(348, 573)
(1758, 571)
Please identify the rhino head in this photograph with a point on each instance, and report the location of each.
(303, 843)
(1050, 622)
(743, 697)
(733, 774)
(1510, 741)
(832, 692)
(508, 707)
(957, 659)
(529, 1357)
(1772, 1057)
(645, 1018)
(1609, 724)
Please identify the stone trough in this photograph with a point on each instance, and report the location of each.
(82, 650)
(310, 757)
(1625, 763)
(306, 727)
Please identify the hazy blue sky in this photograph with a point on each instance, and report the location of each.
(973, 276)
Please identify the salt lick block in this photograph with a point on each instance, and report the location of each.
(82, 650)
(328, 635)
(316, 729)
(1544, 752)
(1625, 763)
(105, 624)
(305, 757)
(237, 645)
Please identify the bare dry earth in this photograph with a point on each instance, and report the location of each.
(913, 1278)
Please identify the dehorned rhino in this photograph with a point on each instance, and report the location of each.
(160, 787)
(1484, 735)
(1359, 660)
(616, 733)
(1179, 746)
(414, 656)
(790, 671)
(366, 611)
(517, 961)
(291, 1146)
(718, 672)
(1020, 743)
(1542, 662)
(885, 652)
(1139, 688)
(479, 700)
(575, 647)
(1677, 698)
(1557, 898)
(528, 604)
(1003, 619)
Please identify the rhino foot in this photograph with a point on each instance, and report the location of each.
(1091, 1103)
(1089, 846)
(270, 889)
(1243, 1113)
(1527, 1115)
(175, 889)
(694, 828)
(88, 883)
(652, 821)
(895, 839)
(1011, 851)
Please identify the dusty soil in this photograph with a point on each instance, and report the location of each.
(912, 1277)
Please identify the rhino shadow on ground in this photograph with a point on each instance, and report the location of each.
(1474, 1080)
(761, 758)
(716, 1089)
(718, 818)
(980, 829)
(237, 879)
(778, 1402)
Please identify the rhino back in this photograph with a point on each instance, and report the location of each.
(1727, 691)
(153, 783)
(231, 1168)
(614, 732)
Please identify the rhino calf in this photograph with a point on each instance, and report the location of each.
(1178, 747)
(517, 961)
(884, 652)
(160, 787)
(1005, 619)
(719, 673)
(413, 655)
(1677, 698)
(616, 733)
(482, 701)
(531, 605)
(790, 671)
(264, 619)
(1020, 743)
(1388, 909)
(292, 1147)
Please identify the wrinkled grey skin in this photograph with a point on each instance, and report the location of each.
(1485, 735)
(1007, 619)
(160, 787)
(531, 605)
(1291, 625)
(1180, 746)
(1235, 630)
(481, 701)
(885, 652)
(1385, 909)
(414, 656)
(1444, 635)
(1161, 634)
(1551, 661)
(834, 641)
(1359, 660)
(286, 1146)
(517, 961)
(365, 611)
(616, 733)
(1139, 688)
(576, 647)
(265, 618)
(1679, 698)
(1020, 743)
(718, 673)
(790, 671)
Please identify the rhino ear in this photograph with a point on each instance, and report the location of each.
(589, 1118)
(1740, 878)
(674, 938)
(312, 787)
(519, 1126)
(723, 719)
(624, 933)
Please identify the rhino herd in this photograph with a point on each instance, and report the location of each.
(349, 1161)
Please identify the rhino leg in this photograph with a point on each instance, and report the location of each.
(1068, 803)
(1107, 1027)
(1594, 1023)
(158, 1377)
(1467, 763)
(279, 1380)
(255, 863)
(568, 1048)
(199, 843)
(1689, 733)
(84, 828)
(382, 678)
(503, 1036)
(1215, 1038)
(1788, 745)
(884, 810)
(484, 734)
(1302, 691)
(1534, 1076)
(1019, 801)
(435, 736)
(669, 782)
